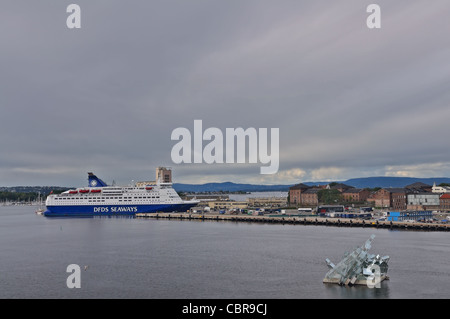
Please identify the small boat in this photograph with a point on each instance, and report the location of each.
(149, 188)
(95, 191)
(40, 210)
(73, 192)
(84, 191)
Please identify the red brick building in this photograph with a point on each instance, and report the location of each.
(398, 199)
(295, 193)
(395, 198)
(444, 201)
(381, 198)
(310, 197)
(355, 195)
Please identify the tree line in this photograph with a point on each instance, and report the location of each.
(24, 196)
(18, 197)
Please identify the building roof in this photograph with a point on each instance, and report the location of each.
(418, 185)
(425, 193)
(445, 196)
(340, 185)
(396, 190)
(299, 186)
(353, 190)
(312, 191)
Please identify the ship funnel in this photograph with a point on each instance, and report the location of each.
(94, 181)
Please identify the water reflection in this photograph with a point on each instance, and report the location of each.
(357, 292)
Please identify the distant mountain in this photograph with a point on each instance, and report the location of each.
(228, 187)
(385, 181)
(370, 182)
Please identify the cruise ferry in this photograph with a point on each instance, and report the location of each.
(99, 199)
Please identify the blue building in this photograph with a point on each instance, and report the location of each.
(409, 215)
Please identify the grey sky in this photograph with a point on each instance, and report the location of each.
(349, 101)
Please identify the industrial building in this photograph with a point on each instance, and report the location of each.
(227, 204)
(267, 201)
(409, 215)
(324, 209)
(423, 201)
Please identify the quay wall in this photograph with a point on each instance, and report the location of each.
(298, 220)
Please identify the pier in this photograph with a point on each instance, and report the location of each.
(299, 220)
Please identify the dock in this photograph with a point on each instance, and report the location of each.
(297, 220)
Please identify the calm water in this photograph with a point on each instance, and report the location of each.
(139, 258)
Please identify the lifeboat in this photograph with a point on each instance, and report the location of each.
(95, 191)
(73, 192)
(84, 191)
(149, 188)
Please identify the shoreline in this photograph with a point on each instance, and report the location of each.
(298, 220)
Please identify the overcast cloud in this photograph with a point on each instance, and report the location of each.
(349, 101)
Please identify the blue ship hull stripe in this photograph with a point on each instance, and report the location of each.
(108, 210)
